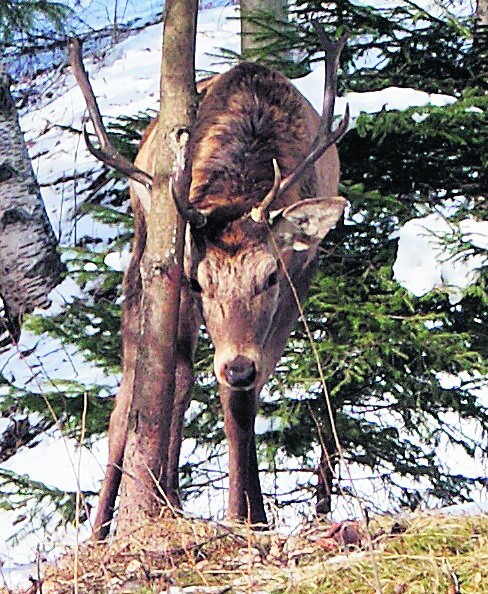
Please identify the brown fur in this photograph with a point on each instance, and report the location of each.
(247, 117)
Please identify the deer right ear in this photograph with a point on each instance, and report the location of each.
(303, 225)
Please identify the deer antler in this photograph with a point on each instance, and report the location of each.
(325, 136)
(108, 154)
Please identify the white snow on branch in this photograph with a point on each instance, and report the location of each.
(427, 260)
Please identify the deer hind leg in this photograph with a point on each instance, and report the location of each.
(184, 380)
(245, 498)
(118, 423)
(256, 503)
(117, 432)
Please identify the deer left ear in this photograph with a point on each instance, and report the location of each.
(303, 225)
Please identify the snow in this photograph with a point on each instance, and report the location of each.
(465, 509)
(61, 463)
(127, 81)
(61, 296)
(424, 261)
(389, 99)
(118, 261)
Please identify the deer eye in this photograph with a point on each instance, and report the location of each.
(271, 281)
(195, 285)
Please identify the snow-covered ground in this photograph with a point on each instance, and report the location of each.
(126, 81)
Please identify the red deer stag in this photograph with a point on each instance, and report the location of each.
(256, 144)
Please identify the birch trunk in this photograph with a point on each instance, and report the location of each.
(29, 264)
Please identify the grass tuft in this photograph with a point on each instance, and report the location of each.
(419, 555)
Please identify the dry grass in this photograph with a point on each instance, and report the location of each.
(171, 552)
(435, 555)
(429, 556)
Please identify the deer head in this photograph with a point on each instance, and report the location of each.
(240, 285)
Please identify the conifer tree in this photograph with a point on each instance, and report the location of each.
(382, 349)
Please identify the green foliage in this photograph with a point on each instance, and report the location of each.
(125, 132)
(35, 503)
(20, 16)
(60, 403)
(394, 45)
(407, 152)
(92, 322)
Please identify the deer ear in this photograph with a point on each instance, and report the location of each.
(303, 225)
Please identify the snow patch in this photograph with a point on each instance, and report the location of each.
(424, 261)
(118, 261)
(389, 99)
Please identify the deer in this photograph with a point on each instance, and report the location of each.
(263, 195)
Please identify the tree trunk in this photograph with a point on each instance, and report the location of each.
(250, 30)
(326, 475)
(482, 12)
(146, 451)
(480, 42)
(29, 264)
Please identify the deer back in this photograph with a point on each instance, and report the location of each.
(247, 117)
(239, 267)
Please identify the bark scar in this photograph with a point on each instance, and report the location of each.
(14, 215)
(6, 171)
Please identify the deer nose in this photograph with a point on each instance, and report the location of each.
(240, 373)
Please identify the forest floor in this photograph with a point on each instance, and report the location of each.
(429, 554)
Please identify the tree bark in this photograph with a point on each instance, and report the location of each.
(480, 42)
(250, 31)
(144, 476)
(326, 476)
(29, 264)
(482, 12)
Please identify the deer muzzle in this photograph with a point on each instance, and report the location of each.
(240, 372)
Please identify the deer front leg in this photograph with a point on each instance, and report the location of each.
(245, 498)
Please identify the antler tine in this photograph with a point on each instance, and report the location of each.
(106, 153)
(333, 51)
(258, 214)
(119, 163)
(325, 136)
(178, 141)
(195, 218)
(109, 155)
